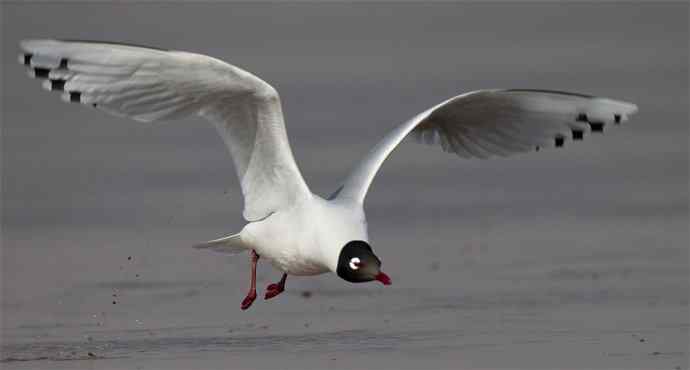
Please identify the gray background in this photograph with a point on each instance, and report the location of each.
(571, 258)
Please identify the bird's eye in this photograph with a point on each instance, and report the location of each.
(355, 263)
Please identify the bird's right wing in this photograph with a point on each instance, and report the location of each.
(148, 84)
(486, 123)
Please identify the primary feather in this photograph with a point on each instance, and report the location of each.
(148, 84)
(487, 123)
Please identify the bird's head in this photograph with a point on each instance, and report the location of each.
(357, 263)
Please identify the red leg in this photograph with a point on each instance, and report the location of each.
(251, 296)
(277, 288)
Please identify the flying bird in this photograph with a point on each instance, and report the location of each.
(299, 232)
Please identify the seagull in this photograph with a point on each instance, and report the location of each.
(299, 232)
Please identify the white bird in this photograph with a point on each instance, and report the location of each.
(299, 232)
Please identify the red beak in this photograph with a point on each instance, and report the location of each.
(383, 278)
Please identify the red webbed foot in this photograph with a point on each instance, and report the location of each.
(273, 290)
(276, 288)
(248, 300)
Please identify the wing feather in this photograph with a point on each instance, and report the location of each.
(148, 85)
(488, 123)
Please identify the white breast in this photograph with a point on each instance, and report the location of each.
(306, 239)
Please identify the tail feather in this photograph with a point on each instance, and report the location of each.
(229, 244)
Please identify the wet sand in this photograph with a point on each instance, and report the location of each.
(563, 259)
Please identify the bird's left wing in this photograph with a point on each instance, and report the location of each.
(148, 84)
(486, 123)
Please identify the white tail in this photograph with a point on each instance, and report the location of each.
(228, 244)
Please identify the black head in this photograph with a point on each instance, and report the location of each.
(358, 264)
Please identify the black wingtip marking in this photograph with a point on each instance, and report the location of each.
(63, 64)
(27, 59)
(597, 126)
(559, 141)
(57, 85)
(41, 72)
(75, 96)
(581, 118)
(617, 118)
(578, 134)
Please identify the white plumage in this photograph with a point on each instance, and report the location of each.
(486, 123)
(153, 85)
(299, 232)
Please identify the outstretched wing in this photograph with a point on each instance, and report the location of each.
(148, 84)
(486, 123)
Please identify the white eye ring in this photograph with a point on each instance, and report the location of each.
(354, 263)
